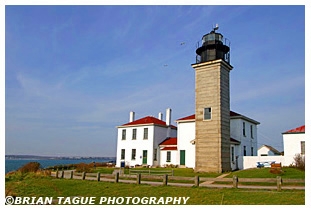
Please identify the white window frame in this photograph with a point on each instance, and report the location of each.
(168, 156)
(133, 153)
(210, 113)
(122, 154)
(123, 137)
(134, 137)
(145, 137)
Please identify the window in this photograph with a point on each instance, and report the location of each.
(232, 154)
(244, 133)
(168, 156)
(145, 133)
(134, 134)
(155, 155)
(123, 134)
(252, 151)
(244, 150)
(207, 113)
(252, 132)
(122, 154)
(133, 154)
(302, 145)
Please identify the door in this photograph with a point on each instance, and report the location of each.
(182, 157)
(145, 156)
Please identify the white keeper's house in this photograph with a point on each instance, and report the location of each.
(294, 144)
(267, 150)
(138, 140)
(152, 142)
(294, 141)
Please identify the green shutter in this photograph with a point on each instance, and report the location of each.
(182, 157)
(145, 156)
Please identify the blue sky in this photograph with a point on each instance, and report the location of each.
(73, 73)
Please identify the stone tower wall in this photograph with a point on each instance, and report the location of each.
(212, 136)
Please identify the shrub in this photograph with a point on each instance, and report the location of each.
(83, 167)
(299, 161)
(9, 192)
(44, 173)
(14, 176)
(30, 167)
(170, 166)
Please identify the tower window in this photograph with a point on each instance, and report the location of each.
(207, 113)
(244, 133)
(244, 150)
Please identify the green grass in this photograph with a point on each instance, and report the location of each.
(288, 173)
(103, 170)
(188, 172)
(36, 185)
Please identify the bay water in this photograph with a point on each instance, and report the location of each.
(14, 164)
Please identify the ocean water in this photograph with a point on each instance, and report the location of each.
(14, 164)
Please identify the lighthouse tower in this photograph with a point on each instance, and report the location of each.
(212, 104)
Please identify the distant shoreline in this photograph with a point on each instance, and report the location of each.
(14, 163)
(37, 157)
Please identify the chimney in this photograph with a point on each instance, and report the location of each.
(168, 122)
(168, 116)
(160, 117)
(132, 116)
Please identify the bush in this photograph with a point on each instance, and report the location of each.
(15, 176)
(170, 166)
(299, 161)
(44, 173)
(83, 167)
(30, 167)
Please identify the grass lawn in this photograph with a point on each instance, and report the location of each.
(103, 170)
(36, 185)
(288, 173)
(188, 172)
